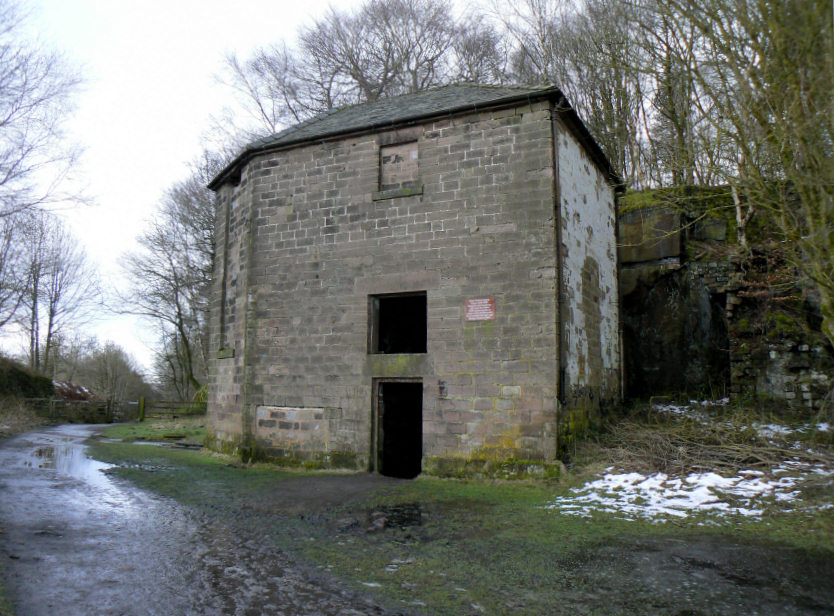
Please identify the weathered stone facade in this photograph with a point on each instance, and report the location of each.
(456, 210)
(728, 322)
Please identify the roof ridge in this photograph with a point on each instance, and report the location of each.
(407, 108)
(322, 115)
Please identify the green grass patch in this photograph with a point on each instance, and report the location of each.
(446, 546)
(478, 544)
(185, 428)
(494, 545)
(191, 477)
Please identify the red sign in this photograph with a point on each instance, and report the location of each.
(480, 309)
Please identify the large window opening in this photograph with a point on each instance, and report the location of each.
(399, 443)
(398, 323)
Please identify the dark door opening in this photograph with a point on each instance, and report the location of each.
(399, 428)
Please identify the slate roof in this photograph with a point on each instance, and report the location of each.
(408, 109)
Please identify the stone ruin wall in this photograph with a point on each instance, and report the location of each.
(682, 290)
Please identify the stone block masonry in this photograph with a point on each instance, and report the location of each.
(464, 211)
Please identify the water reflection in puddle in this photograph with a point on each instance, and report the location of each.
(68, 459)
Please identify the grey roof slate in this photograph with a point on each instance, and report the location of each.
(396, 110)
(399, 110)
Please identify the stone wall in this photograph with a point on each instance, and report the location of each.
(776, 347)
(704, 318)
(589, 315)
(310, 235)
(675, 332)
(327, 238)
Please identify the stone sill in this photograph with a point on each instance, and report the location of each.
(393, 193)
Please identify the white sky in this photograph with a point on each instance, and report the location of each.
(149, 68)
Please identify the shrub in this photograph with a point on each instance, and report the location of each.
(17, 380)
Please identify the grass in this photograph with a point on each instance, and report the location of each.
(477, 544)
(16, 417)
(192, 429)
(497, 543)
(5, 604)
(192, 477)
(442, 546)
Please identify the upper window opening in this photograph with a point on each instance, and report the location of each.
(398, 166)
(398, 323)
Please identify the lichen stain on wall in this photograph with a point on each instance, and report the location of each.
(592, 307)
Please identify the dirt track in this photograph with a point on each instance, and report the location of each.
(76, 542)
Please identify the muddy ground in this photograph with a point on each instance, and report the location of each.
(75, 541)
(208, 537)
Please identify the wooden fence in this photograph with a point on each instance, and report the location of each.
(82, 411)
(96, 411)
(166, 409)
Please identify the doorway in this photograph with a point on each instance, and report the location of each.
(399, 427)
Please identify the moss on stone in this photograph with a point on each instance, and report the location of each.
(309, 460)
(396, 365)
(483, 467)
(714, 201)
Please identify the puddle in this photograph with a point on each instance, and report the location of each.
(69, 459)
(398, 516)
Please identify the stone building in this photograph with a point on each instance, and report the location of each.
(423, 283)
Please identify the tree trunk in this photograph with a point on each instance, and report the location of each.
(827, 310)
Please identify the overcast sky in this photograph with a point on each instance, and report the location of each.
(149, 68)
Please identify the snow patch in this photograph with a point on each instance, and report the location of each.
(659, 496)
(772, 430)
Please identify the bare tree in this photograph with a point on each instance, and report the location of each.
(171, 276)
(113, 375)
(69, 352)
(601, 77)
(587, 49)
(768, 69)
(35, 91)
(481, 53)
(532, 27)
(383, 48)
(105, 369)
(422, 35)
(60, 287)
(12, 279)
